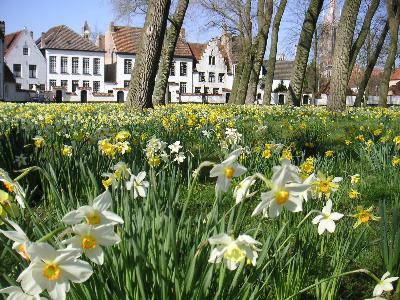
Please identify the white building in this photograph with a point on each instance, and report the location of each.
(74, 64)
(25, 60)
(121, 44)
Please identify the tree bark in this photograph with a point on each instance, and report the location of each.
(303, 51)
(167, 54)
(341, 55)
(147, 59)
(269, 77)
(359, 42)
(265, 11)
(370, 66)
(393, 11)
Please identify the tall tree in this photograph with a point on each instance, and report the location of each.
(269, 77)
(370, 66)
(170, 41)
(359, 42)
(341, 55)
(264, 16)
(146, 64)
(303, 51)
(393, 12)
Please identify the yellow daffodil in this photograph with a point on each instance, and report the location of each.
(395, 161)
(329, 153)
(364, 216)
(354, 194)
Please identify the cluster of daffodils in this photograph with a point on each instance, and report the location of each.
(232, 137)
(122, 173)
(11, 196)
(156, 151)
(119, 146)
(92, 226)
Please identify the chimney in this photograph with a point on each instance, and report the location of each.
(182, 34)
(111, 28)
(100, 41)
(42, 41)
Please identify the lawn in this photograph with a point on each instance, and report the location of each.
(156, 222)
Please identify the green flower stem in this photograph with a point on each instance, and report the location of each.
(26, 172)
(51, 234)
(365, 271)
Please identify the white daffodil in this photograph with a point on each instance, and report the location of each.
(242, 191)
(175, 147)
(226, 170)
(20, 160)
(21, 241)
(206, 133)
(121, 170)
(233, 252)
(97, 214)
(89, 239)
(232, 136)
(384, 285)
(326, 220)
(52, 270)
(283, 194)
(138, 184)
(292, 172)
(16, 293)
(13, 187)
(180, 157)
(309, 181)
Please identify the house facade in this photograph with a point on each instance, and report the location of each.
(25, 60)
(121, 44)
(74, 63)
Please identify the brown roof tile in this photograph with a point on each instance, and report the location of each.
(197, 50)
(9, 40)
(62, 37)
(127, 40)
(395, 75)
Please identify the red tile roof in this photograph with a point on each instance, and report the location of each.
(9, 40)
(127, 40)
(62, 37)
(197, 50)
(395, 75)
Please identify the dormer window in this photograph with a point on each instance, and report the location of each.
(211, 60)
(25, 51)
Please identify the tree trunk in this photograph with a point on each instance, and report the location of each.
(266, 10)
(147, 59)
(245, 76)
(370, 66)
(357, 45)
(238, 73)
(167, 54)
(303, 51)
(393, 11)
(341, 55)
(315, 64)
(269, 77)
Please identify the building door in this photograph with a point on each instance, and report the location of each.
(306, 98)
(227, 97)
(84, 96)
(169, 97)
(281, 99)
(120, 97)
(59, 96)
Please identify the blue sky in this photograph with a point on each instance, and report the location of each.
(40, 15)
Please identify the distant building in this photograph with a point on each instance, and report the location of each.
(25, 60)
(73, 62)
(121, 44)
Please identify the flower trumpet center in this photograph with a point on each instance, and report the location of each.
(93, 219)
(364, 217)
(51, 271)
(324, 186)
(22, 252)
(282, 197)
(88, 242)
(8, 186)
(229, 172)
(235, 254)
